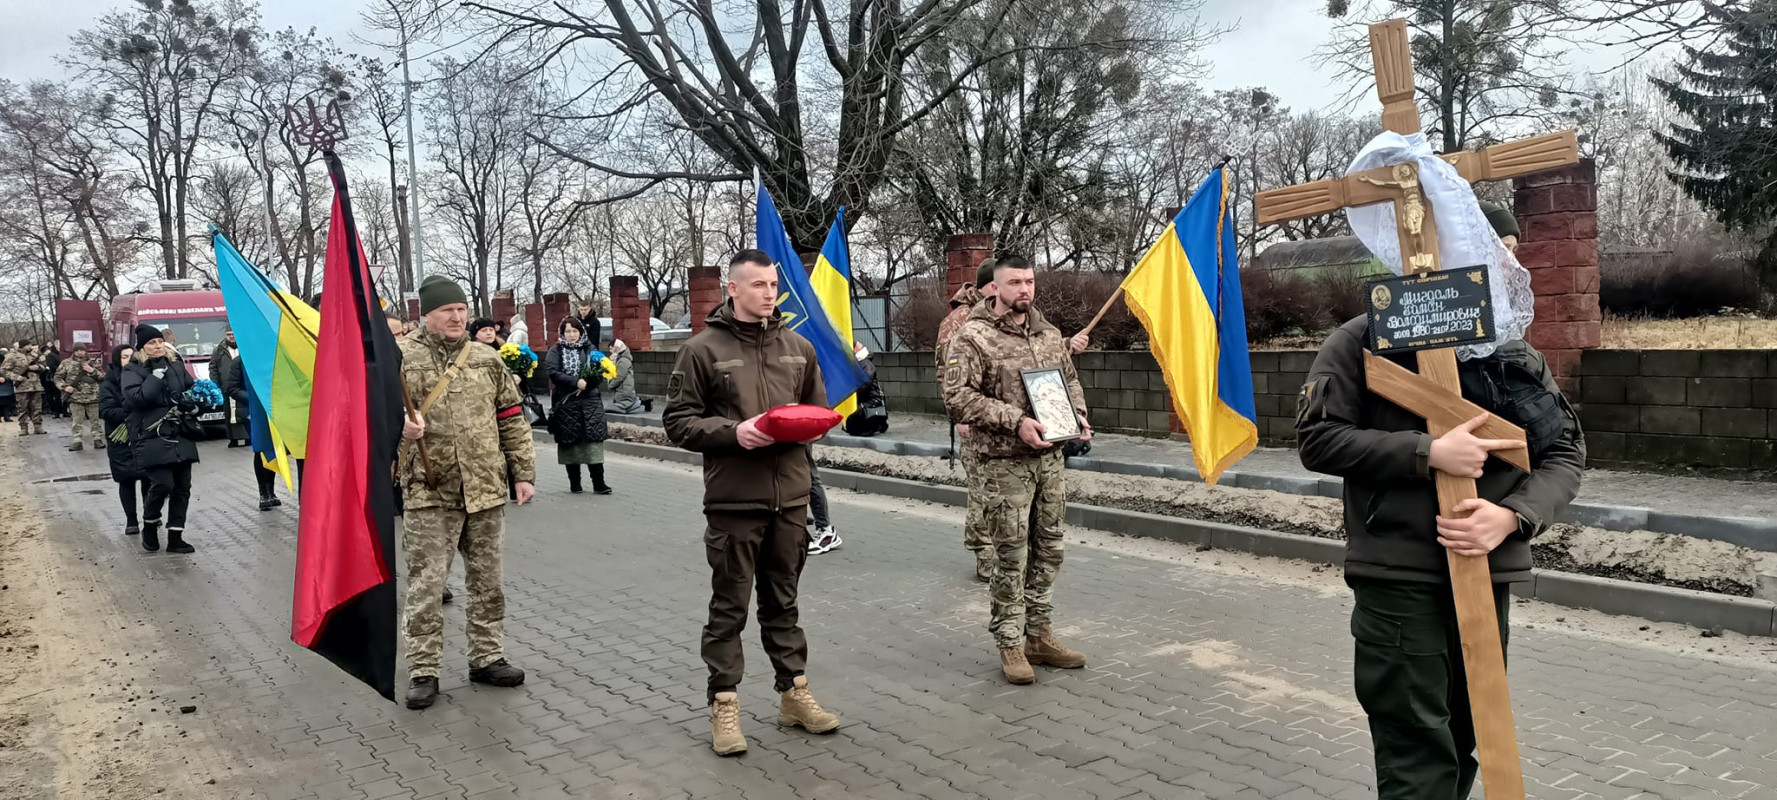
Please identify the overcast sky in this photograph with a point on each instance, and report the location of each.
(1271, 48)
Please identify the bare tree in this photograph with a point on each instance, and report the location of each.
(65, 196)
(1310, 147)
(166, 63)
(748, 105)
(476, 115)
(650, 244)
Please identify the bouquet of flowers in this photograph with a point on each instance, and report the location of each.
(599, 368)
(183, 416)
(520, 359)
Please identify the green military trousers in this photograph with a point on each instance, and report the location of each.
(1410, 680)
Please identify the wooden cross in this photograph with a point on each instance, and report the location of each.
(1435, 393)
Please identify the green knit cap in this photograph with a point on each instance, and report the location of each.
(437, 290)
(1501, 218)
(984, 273)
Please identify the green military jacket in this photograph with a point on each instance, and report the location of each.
(16, 369)
(82, 383)
(474, 431)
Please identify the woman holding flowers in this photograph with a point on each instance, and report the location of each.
(163, 428)
(577, 419)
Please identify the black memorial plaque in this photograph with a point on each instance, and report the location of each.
(1447, 308)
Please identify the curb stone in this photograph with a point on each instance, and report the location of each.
(1757, 533)
(1657, 603)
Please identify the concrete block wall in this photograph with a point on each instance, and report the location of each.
(1680, 408)
(1125, 391)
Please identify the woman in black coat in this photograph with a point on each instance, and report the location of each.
(577, 413)
(154, 384)
(124, 471)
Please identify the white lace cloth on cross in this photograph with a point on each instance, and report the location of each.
(1465, 239)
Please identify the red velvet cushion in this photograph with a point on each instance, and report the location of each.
(798, 423)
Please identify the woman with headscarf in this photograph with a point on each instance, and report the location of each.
(154, 386)
(623, 387)
(112, 410)
(578, 413)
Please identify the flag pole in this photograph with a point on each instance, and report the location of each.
(1119, 293)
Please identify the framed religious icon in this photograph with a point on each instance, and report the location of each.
(1051, 404)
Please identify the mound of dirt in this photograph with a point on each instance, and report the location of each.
(1663, 559)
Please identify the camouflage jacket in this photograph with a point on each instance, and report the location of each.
(984, 382)
(83, 383)
(17, 371)
(474, 431)
(961, 304)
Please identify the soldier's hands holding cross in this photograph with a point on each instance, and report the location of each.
(1461, 453)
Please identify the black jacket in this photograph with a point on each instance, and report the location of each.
(575, 417)
(149, 398)
(871, 417)
(1382, 452)
(113, 411)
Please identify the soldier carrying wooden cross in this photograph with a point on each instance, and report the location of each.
(1449, 471)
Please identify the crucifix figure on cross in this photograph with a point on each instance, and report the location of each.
(1395, 434)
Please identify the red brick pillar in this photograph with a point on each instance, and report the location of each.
(504, 306)
(963, 255)
(629, 315)
(1558, 213)
(706, 294)
(554, 308)
(413, 309)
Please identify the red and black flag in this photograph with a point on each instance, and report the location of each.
(345, 544)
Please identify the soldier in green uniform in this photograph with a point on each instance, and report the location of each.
(1023, 493)
(23, 369)
(472, 424)
(755, 491)
(79, 378)
(1408, 665)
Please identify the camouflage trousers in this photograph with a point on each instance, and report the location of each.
(431, 537)
(975, 536)
(30, 410)
(87, 414)
(1024, 502)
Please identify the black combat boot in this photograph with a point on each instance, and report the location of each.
(598, 479)
(499, 673)
(574, 478)
(176, 542)
(151, 535)
(421, 692)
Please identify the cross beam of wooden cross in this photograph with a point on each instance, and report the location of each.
(1435, 392)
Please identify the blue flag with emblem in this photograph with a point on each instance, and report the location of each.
(802, 309)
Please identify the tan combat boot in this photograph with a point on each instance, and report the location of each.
(1042, 648)
(799, 708)
(725, 736)
(1015, 667)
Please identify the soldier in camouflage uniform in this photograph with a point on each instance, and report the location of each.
(79, 378)
(472, 424)
(23, 369)
(1023, 497)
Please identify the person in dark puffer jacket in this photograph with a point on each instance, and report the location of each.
(577, 416)
(124, 471)
(153, 386)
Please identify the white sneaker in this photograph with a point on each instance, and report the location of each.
(825, 539)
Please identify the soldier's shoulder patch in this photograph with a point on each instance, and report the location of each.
(673, 384)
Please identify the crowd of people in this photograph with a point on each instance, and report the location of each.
(467, 450)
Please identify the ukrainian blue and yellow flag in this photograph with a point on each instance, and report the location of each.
(801, 306)
(1186, 292)
(276, 333)
(832, 286)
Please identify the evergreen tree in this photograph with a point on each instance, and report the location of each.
(1728, 155)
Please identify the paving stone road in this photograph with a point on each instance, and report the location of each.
(1212, 675)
